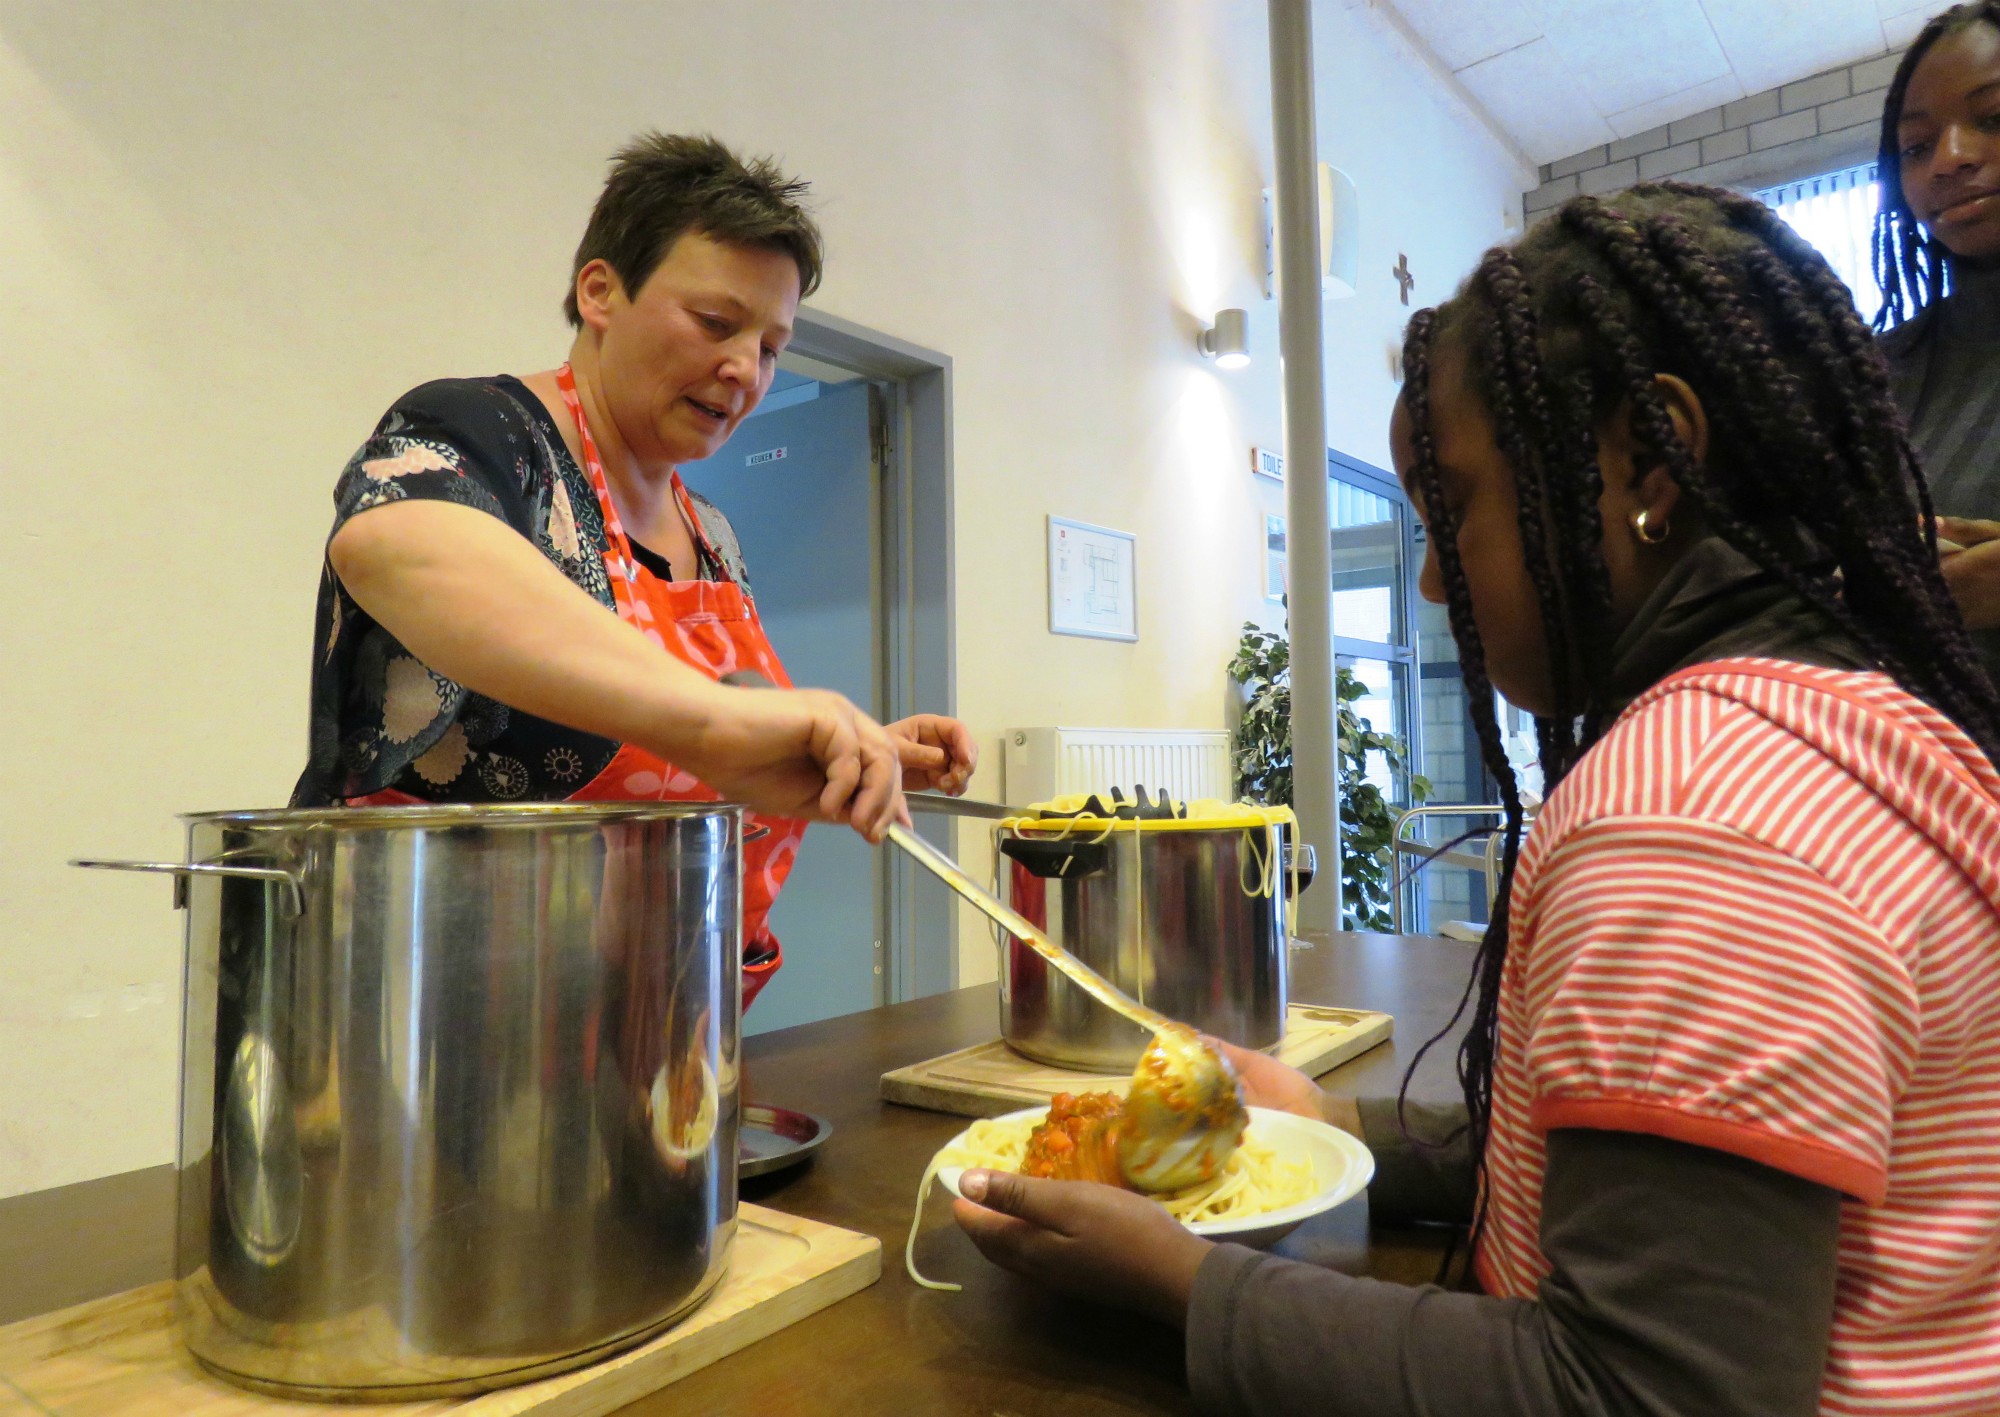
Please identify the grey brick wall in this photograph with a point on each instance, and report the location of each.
(1800, 129)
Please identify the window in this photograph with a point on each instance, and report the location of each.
(1399, 647)
(1836, 212)
(1372, 577)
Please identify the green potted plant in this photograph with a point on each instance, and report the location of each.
(1263, 759)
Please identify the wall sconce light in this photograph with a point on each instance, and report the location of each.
(1227, 341)
(1339, 236)
(1339, 233)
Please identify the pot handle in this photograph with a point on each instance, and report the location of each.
(1057, 859)
(293, 897)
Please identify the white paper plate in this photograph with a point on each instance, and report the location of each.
(1341, 1165)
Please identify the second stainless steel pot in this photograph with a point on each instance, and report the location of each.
(1186, 919)
(459, 1099)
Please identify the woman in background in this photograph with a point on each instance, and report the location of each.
(1937, 259)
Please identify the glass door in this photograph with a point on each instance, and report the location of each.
(1373, 585)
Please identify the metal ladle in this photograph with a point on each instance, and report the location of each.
(1184, 1114)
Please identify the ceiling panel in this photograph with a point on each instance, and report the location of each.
(1772, 42)
(1629, 121)
(1530, 92)
(1624, 55)
(1562, 75)
(1462, 35)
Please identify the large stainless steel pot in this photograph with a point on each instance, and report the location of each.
(1186, 919)
(459, 1100)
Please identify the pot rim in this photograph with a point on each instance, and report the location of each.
(436, 814)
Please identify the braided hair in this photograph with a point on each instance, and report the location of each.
(1808, 474)
(1910, 264)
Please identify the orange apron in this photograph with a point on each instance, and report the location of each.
(711, 626)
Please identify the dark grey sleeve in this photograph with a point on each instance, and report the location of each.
(1424, 1173)
(1685, 1281)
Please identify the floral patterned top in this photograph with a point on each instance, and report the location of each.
(383, 719)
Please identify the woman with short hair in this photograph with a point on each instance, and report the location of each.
(521, 600)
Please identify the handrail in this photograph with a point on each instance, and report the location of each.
(1486, 864)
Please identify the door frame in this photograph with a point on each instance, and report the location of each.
(916, 922)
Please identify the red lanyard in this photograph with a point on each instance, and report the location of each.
(619, 563)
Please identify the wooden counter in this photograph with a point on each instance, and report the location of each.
(1005, 1346)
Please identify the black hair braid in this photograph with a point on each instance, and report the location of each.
(1910, 265)
(1653, 427)
(1792, 258)
(1871, 587)
(1476, 1052)
(1561, 499)
(1713, 344)
(1443, 532)
(1803, 469)
(1888, 584)
(1873, 430)
(1866, 440)
(1876, 405)
(1697, 302)
(1580, 526)
(1521, 425)
(1801, 262)
(1785, 416)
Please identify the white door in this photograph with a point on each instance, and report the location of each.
(798, 484)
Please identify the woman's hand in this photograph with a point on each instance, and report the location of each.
(937, 753)
(1973, 572)
(1095, 1241)
(801, 753)
(1283, 1088)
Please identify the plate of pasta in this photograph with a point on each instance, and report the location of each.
(1288, 1169)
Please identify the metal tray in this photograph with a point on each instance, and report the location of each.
(773, 1138)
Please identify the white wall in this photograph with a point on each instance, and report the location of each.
(231, 232)
(1433, 185)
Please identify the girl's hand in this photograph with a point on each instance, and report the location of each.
(1973, 573)
(1283, 1088)
(937, 753)
(1967, 531)
(1094, 1241)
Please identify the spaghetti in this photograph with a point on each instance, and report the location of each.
(1255, 1181)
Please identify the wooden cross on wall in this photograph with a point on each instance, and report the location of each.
(1404, 279)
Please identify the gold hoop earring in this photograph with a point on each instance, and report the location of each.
(1643, 528)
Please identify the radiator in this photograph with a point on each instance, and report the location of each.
(1042, 763)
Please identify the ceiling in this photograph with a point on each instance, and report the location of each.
(1559, 76)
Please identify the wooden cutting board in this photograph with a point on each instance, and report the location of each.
(988, 1079)
(119, 1355)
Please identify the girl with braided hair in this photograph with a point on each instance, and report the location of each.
(1937, 259)
(1730, 1080)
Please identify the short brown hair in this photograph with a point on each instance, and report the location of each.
(665, 185)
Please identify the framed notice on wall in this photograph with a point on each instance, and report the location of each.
(1093, 588)
(1274, 558)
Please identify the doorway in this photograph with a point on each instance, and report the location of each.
(839, 490)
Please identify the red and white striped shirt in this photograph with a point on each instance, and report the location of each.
(1762, 915)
